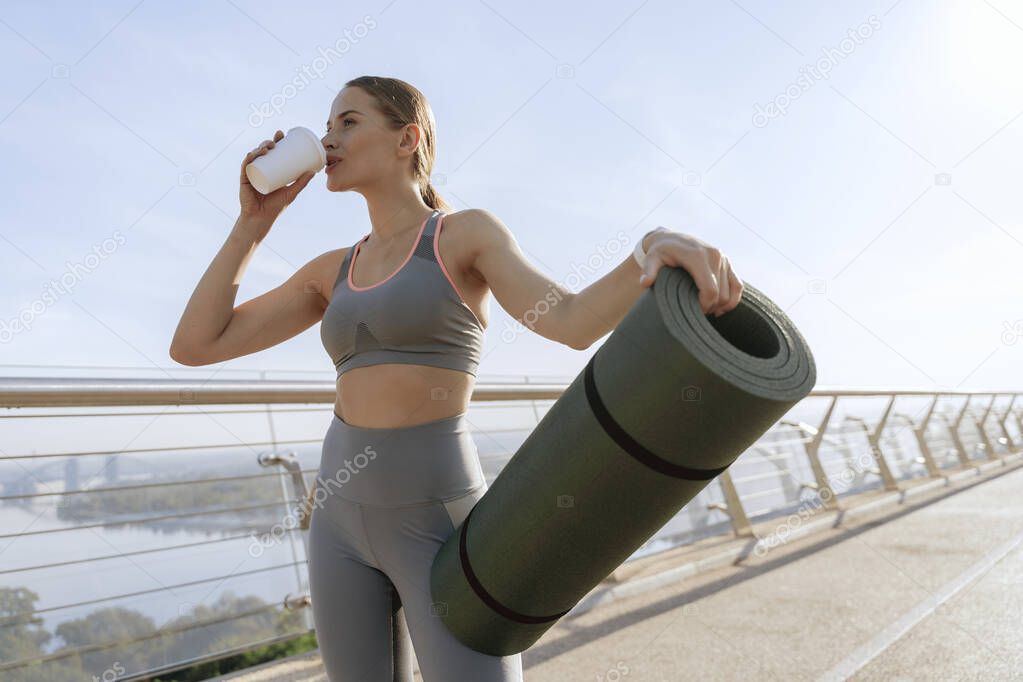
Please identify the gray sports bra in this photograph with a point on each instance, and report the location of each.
(416, 315)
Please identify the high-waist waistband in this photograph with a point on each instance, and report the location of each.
(462, 417)
(433, 461)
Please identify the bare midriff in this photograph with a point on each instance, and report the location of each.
(393, 395)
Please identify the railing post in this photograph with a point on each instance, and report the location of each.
(532, 403)
(823, 486)
(733, 506)
(1012, 445)
(290, 462)
(921, 440)
(874, 440)
(875, 446)
(296, 602)
(988, 447)
(785, 480)
(964, 458)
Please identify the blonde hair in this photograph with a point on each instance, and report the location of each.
(402, 104)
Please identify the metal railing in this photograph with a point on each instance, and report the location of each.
(112, 525)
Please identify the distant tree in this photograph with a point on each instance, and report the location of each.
(106, 626)
(22, 638)
(206, 629)
(22, 635)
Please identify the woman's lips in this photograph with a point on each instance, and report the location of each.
(333, 165)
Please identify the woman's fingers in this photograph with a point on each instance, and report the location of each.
(701, 262)
(705, 274)
(652, 262)
(735, 286)
(720, 289)
(263, 148)
(253, 154)
(298, 185)
(246, 161)
(724, 288)
(705, 278)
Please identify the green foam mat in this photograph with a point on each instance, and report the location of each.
(667, 403)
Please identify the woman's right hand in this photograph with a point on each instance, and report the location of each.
(264, 208)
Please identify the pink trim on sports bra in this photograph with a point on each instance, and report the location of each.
(351, 265)
(436, 254)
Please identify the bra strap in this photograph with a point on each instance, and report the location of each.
(345, 264)
(426, 238)
(431, 227)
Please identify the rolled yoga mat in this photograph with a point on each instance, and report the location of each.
(667, 402)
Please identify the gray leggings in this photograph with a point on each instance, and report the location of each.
(385, 500)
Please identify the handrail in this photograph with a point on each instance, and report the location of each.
(78, 391)
(144, 519)
(815, 448)
(139, 486)
(20, 617)
(120, 555)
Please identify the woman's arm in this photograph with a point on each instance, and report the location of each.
(212, 329)
(579, 319)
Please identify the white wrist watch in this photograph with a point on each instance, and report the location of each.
(638, 252)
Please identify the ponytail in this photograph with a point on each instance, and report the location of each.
(431, 197)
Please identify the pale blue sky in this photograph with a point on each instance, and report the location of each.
(125, 123)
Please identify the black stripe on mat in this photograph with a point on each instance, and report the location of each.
(626, 443)
(482, 593)
(630, 445)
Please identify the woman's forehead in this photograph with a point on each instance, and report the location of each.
(350, 98)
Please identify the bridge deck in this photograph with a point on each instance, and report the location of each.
(930, 591)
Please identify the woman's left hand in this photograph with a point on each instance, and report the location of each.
(720, 288)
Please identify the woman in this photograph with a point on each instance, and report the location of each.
(399, 470)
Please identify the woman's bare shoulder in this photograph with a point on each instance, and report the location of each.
(328, 268)
(473, 219)
(469, 232)
(476, 229)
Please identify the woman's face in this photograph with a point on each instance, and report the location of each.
(358, 134)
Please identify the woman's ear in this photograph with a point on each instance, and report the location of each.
(411, 137)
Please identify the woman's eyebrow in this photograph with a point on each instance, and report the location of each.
(343, 113)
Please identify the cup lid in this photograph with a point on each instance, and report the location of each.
(302, 130)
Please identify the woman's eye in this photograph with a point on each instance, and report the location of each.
(343, 123)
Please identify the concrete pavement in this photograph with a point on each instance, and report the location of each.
(933, 591)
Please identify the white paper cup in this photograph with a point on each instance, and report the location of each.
(298, 152)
